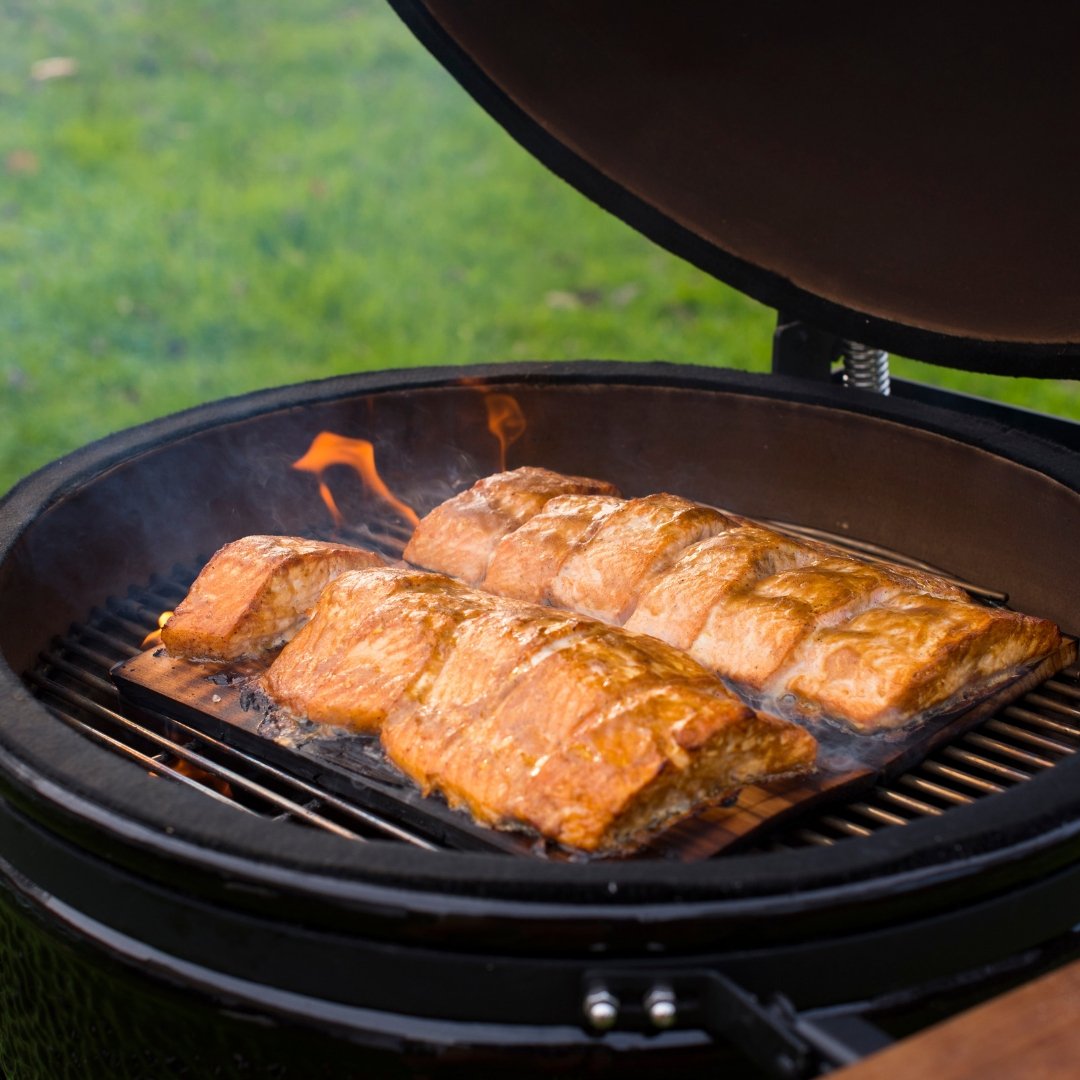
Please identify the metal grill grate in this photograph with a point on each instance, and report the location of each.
(72, 680)
(1010, 747)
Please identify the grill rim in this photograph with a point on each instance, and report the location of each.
(1013, 831)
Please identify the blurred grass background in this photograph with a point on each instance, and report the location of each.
(203, 198)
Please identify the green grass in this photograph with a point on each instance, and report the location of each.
(228, 196)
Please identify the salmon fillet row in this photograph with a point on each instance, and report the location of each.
(254, 594)
(528, 717)
(798, 627)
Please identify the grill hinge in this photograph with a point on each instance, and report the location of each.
(772, 1034)
(809, 352)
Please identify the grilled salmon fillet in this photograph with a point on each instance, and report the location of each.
(527, 716)
(254, 594)
(795, 625)
(461, 533)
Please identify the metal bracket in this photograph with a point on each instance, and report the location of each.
(803, 350)
(809, 352)
(772, 1034)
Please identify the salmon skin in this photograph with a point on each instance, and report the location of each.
(254, 594)
(528, 717)
(798, 627)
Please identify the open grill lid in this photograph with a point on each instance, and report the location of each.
(904, 176)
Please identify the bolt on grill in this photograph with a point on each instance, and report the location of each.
(72, 680)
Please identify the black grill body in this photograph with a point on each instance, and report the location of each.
(300, 950)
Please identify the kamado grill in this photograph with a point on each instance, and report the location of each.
(176, 904)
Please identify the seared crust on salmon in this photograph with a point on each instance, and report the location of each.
(798, 626)
(459, 536)
(527, 716)
(254, 594)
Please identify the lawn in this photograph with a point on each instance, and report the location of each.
(213, 197)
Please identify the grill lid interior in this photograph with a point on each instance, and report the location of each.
(902, 175)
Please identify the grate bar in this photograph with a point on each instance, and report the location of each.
(1006, 772)
(977, 782)
(1061, 688)
(123, 648)
(876, 813)
(996, 746)
(90, 655)
(1000, 727)
(1055, 706)
(222, 772)
(87, 678)
(937, 790)
(343, 806)
(848, 828)
(1038, 720)
(151, 764)
(916, 806)
(325, 797)
(137, 630)
(811, 836)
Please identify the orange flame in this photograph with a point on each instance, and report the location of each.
(329, 449)
(506, 422)
(154, 637)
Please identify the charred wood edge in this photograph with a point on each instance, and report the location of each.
(1050, 361)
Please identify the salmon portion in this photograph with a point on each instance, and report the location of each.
(371, 637)
(751, 633)
(528, 717)
(605, 576)
(526, 561)
(254, 594)
(781, 618)
(911, 655)
(459, 536)
(674, 605)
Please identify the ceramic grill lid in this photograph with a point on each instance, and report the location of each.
(904, 175)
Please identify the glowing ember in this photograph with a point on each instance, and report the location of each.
(154, 637)
(194, 772)
(330, 449)
(506, 422)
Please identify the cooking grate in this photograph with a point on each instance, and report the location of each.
(72, 680)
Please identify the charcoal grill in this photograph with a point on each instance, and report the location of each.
(172, 906)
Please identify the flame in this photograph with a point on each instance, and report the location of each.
(506, 422)
(330, 449)
(154, 637)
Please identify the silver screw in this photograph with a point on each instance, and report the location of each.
(601, 1009)
(661, 1007)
